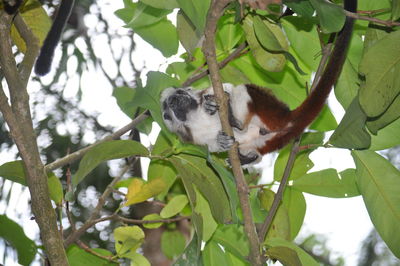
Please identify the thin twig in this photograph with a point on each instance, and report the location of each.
(96, 212)
(279, 194)
(137, 221)
(326, 52)
(78, 154)
(214, 13)
(222, 64)
(387, 23)
(91, 251)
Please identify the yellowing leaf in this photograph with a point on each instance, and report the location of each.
(36, 19)
(139, 191)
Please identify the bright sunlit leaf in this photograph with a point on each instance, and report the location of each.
(139, 190)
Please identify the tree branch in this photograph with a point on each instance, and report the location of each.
(96, 212)
(387, 23)
(279, 194)
(222, 64)
(18, 118)
(79, 154)
(214, 13)
(326, 52)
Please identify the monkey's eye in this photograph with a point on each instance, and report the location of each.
(263, 131)
(167, 116)
(180, 92)
(165, 106)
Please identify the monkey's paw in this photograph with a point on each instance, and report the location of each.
(210, 105)
(225, 142)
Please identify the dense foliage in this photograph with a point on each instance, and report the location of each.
(192, 192)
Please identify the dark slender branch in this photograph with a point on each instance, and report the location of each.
(222, 64)
(326, 52)
(387, 23)
(137, 221)
(78, 154)
(279, 194)
(214, 13)
(89, 250)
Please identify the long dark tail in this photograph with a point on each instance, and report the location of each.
(303, 115)
(311, 107)
(43, 62)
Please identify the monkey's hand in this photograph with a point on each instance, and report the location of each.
(210, 105)
(224, 141)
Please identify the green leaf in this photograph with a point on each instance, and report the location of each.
(203, 209)
(195, 171)
(13, 171)
(295, 204)
(172, 244)
(77, 257)
(331, 16)
(390, 115)
(270, 35)
(304, 257)
(36, 18)
(138, 259)
(161, 35)
(280, 226)
(152, 217)
(285, 255)
(379, 182)
(13, 233)
(188, 36)
(127, 240)
(325, 121)
(380, 66)
(228, 180)
(163, 4)
(302, 8)
(301, 165)
(395, 9)
(124, 96)
(347, 86)
(139, 190)
(387, 137)
(174, 206)
(327, 183)
(229, 33)
(108, 150)
(55, 189)
(304, 40)
(191, 255)
(273, 62)
(232, 238)
(213, 255)
(351, 132)
(196, 11)
(145, 15)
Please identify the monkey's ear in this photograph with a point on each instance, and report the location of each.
(11, 6)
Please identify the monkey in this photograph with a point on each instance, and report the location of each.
(261, 122)
(45, 58)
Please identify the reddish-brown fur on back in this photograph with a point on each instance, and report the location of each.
(272, 112)
(276, 115)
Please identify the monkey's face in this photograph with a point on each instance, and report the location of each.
(177, 104)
